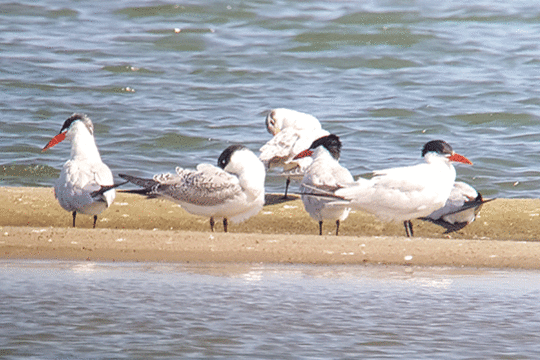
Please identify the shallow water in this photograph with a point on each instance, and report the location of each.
(172, 84)
(74, 310)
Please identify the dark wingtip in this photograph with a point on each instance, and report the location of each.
(142, 191)
(450, 228)
(106, 188)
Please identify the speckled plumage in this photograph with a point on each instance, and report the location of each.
(293, 132)
(235, 191)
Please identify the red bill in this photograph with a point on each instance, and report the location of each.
(303, 154)
(460, 158)
(55, 140)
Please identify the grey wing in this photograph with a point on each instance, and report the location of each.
(103, 174)
(280, 147)
(87, 179)
(206, 186)
(318, 189)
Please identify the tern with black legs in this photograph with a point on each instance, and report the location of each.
(406, 193)
(233, 190)
(86, 184)
(325, 174)
(293, 132)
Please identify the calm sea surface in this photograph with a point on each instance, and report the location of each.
(173, 83)
(85, 310)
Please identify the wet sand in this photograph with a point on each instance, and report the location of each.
(34, 226)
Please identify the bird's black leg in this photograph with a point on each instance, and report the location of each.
(337, 227)
(320, 227)
(212, 223)
(287, 183)
(408, 228)
(74, 216)
(225, 223)
(95, 220)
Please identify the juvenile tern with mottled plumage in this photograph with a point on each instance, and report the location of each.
(234, 190)
(293, 132)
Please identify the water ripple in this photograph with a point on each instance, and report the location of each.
(173, 84)
(66, 310)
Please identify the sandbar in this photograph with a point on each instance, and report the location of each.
(34, 226)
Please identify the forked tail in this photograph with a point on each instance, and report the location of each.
(149, 186)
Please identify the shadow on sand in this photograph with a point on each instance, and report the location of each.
(273, 199)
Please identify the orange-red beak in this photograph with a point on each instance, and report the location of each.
(55, 140)
(460, 158)
(303, 154)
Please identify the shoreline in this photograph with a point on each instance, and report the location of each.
(34, 226)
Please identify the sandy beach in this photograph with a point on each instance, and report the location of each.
(34, 226)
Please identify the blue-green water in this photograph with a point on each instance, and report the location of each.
(173, 83)
(86, 310)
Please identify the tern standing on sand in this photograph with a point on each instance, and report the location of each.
(234, 190)
(327, 174)
(86, 184)
(460, 209)
(406, 193)
(293, 132)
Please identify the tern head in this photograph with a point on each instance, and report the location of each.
(273, 122)
(281, 118)
(442, 148)
(242, 162)
(225, 157)
(74, 121)
(330, 142)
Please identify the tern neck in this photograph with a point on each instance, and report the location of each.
(254, 179)
(250, 171)
(443, 168)
(83, 147)
(321, 153)
(434, 158)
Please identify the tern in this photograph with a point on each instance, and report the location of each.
(233, 190)
(293, 132)
(85, 184)
(326, 174)
(406, 193)
(460, 209)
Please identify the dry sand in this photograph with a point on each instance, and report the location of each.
(34, 226)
